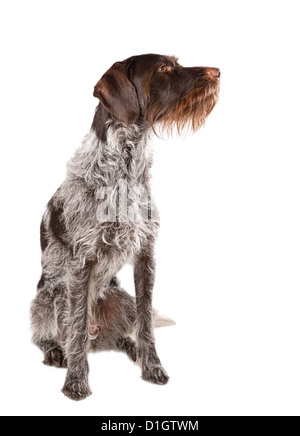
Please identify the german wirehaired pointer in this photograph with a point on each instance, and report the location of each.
(103, 216)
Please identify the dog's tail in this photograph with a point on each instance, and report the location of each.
(161, 320)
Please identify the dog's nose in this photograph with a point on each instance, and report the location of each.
(213, 72)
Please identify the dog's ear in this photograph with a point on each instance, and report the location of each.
(118, 95)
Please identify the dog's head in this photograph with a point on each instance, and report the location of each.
(158, 89)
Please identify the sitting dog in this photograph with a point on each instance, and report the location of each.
(103, 216)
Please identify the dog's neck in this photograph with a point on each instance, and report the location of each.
(112, 152)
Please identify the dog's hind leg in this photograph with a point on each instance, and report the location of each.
(128, 346)
(54, 355)
(46, 316)
(48, 309)
(114, 316)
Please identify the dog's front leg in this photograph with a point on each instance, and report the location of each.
(144, 273)
(76, 385)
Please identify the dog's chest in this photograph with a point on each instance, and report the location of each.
(127, 236)
(109, 207)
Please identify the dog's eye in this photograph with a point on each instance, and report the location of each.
(163, 69)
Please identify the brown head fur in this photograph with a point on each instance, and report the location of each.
(157, 89)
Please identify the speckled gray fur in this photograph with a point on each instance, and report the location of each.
(80, 305)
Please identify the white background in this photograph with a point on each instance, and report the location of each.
(229, 248)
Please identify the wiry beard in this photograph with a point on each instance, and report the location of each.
(190, 113)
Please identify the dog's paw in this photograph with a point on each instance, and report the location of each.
(76, 390)
(132, 355)
(131, 350)
(129, 347)
(55, 358)
(155, 374)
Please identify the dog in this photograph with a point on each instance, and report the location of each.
(103, 216)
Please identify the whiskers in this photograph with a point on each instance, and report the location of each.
(189, 114)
